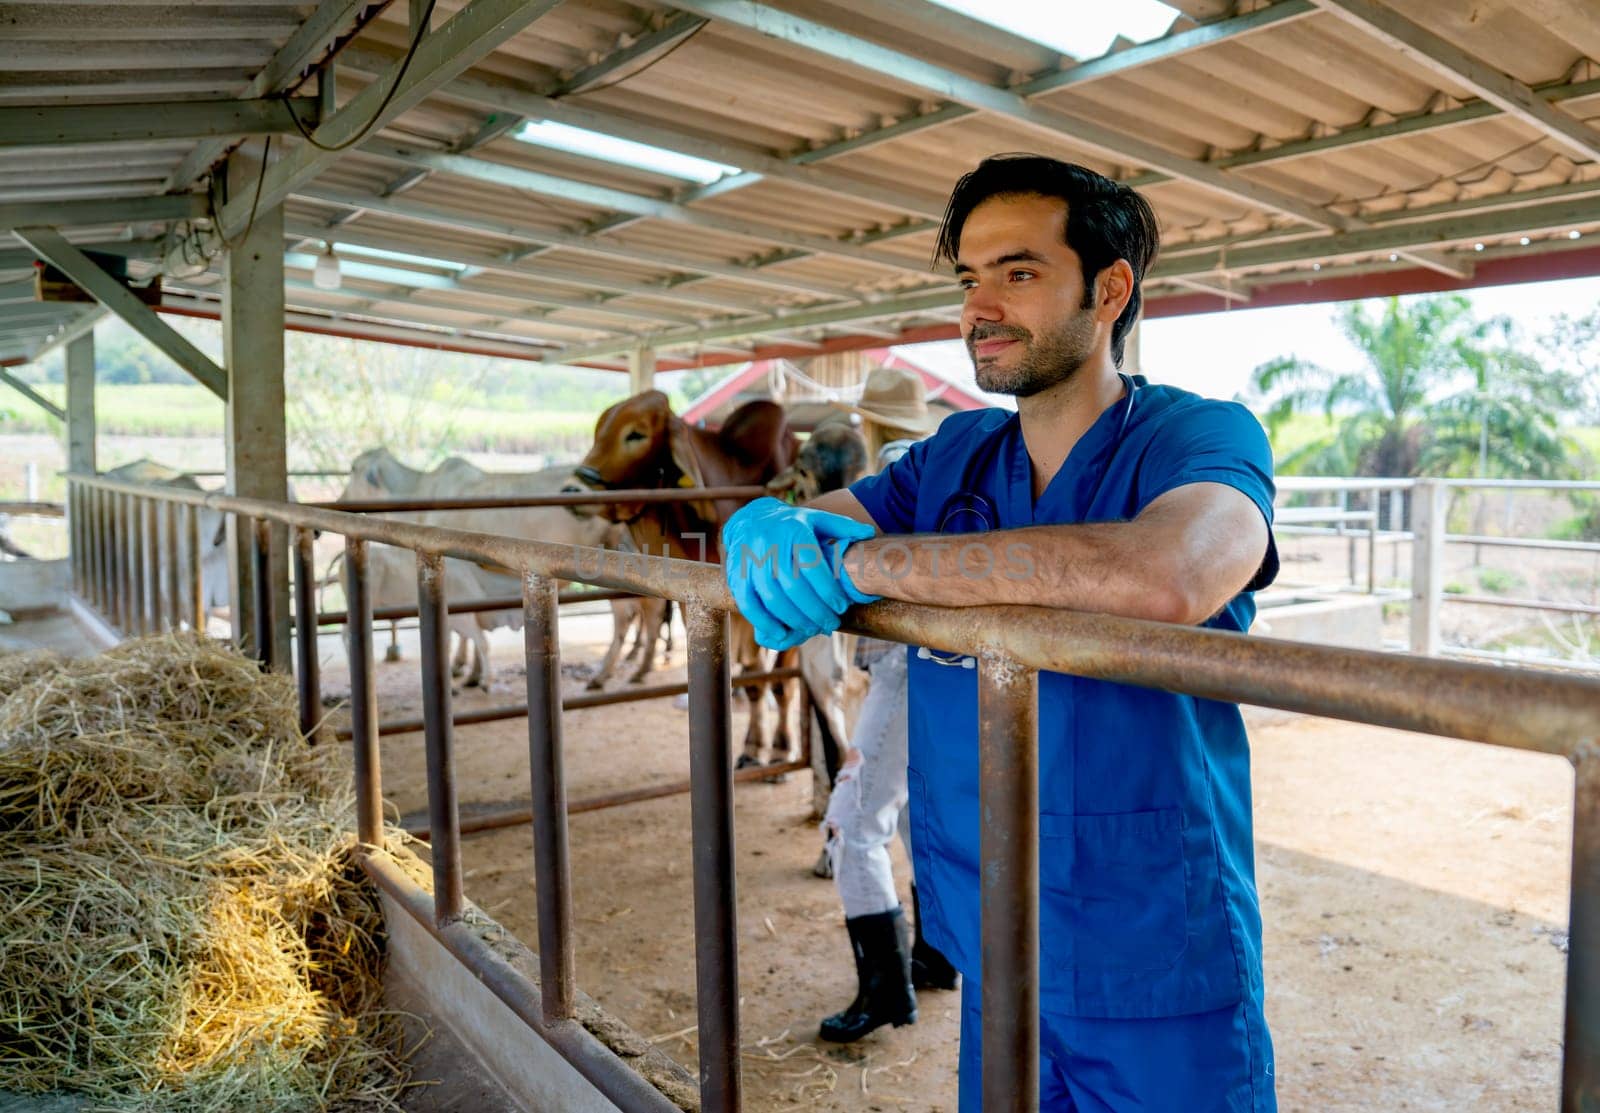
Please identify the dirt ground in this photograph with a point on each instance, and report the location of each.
(1414, 893)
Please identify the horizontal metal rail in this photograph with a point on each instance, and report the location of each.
(1524, 709)
(25, 509)
(572, 703)
(473, 606)
(1526, 484)
(1296, 483)
(516, 815)
(1523, 543)
(1520, 604)
(563, 498)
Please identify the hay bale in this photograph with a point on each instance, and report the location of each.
(185, 927)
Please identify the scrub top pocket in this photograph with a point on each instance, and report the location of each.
(1113, 891)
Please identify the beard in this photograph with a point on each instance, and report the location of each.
(1051, 357)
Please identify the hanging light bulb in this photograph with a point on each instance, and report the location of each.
(325, 276)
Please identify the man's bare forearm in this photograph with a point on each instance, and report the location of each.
(1107, 567)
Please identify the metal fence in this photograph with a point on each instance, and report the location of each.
(1522, 709)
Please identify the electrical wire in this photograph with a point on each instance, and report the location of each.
(657, 60)
(255, 205)
(394, 87)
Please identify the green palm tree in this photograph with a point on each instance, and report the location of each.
(1442, 393)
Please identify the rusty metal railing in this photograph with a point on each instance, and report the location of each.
(1522, 709)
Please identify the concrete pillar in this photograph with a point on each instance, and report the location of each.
(257, 450)
(80, 404)
(641, 370)
(1429, 503)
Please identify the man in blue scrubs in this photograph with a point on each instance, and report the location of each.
(1101, 493)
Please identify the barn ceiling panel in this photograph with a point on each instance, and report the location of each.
(796, 155)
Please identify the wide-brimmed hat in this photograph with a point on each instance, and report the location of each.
(894, 396)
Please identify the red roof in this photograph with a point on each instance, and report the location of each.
(938, 388)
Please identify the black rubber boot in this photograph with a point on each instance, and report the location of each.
(929, 968)
(883, 975)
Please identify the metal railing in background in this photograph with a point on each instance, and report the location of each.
(1518, 708)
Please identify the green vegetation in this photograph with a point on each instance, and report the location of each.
(1498, 581)
(345, 396)
(1442, 393)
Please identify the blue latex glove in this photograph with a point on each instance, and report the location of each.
(781, 561)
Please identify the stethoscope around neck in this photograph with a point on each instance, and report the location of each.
(974, 512)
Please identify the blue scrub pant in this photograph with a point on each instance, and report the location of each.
(1216, 1062)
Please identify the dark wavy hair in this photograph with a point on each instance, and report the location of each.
(1106, 220)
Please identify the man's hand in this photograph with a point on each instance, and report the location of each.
(784, 569)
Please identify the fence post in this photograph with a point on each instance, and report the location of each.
(308, 668)
(1580, 1066)
(363, 694)
(260, 532)
(552, 869)
(169, 567)
(1428, 509)
(1008, 787)
(438, 740)
(716, 947)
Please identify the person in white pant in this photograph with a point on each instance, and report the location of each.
(868, 802)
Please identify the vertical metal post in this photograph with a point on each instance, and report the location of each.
(552, 869)
(1008, 820)
(169, 567)
(1427, 563)
(363, 694)
(260, 532)
(135, 526)
(74, 539)
(103, 565)
(125, 563)
(1580, 1065)
(711, 807)
(443, 820)
(308, 669)
(1374, 505)
(196, 569)
(151, 587)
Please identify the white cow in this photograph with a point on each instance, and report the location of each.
(378, 474)
(213, 525)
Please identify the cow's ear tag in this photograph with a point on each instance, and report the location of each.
(686, 481)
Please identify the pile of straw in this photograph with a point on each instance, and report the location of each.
(182, 925)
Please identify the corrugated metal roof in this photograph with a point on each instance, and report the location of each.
(1281, 143)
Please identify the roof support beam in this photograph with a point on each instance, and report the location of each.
(673, 31)
(110, 210)
(332, 21)
(619, 288)
(32, 395)
(50, 246)
(45, 125)
(470, 34)
(1443, 57)
(1105, 141)
(784, 322)
(82, 325)
(634, 204)
(446, 218)
(1396, 238)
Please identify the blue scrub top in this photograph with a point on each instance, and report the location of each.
(1148, 902)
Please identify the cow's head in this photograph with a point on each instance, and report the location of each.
(834, 456)
(639, 442)
(378, 473)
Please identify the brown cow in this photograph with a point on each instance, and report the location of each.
(641, 443)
